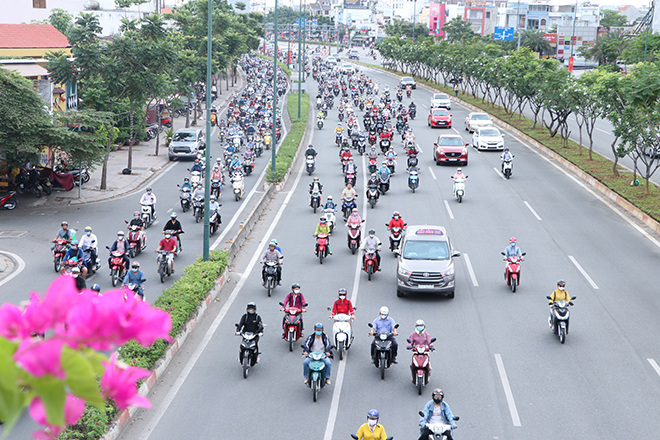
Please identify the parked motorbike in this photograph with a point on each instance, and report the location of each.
(247, 353)
(310, 163)
(512, 271)
(439, 431)
(198, 208)
(396, 234)
(9, 201)
(383, 355)
(315, 200)
(292, 324)
(322, 242)
(420, 366)
(559, 318)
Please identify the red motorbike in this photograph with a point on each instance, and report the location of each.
(60, 248)
(344, 162)
(373, 163)
(322, 242)
(9, 201)
(349, 178)
(372, 138)
(118, 268)
(354, 237)
(512, 272)
(137, 239)
(370, 263)
(69, 264)
(420, 367)
(292, 326)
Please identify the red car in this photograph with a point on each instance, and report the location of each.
(450, 149)
(439, 117)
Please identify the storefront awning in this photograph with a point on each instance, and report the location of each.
(27, 70)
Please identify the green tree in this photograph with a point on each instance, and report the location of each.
(405, 28)
(634, 51)
(289, 15)
(240, 6)
(61, 20)
(613, 18)
(458, 30)
(607, 48)
(534, 40)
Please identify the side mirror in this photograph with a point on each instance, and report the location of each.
(503, 253)
(548, 297)
(408, 340)
(456, 418)
(329, 309)
(502, 134)
(370, 325)
(397, 253)
(456, 254)
(573, 297)
(354, 436)
(126, 221)
(433, 340)
(305, 305)
(107, 247)
(524, 253)
(467, 144)
(451, 114)
(281, 303)
(236, 325)
(302, 346)
(396, 326)
(421, 413)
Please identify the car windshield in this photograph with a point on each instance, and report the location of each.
(184, 137)
(490, 132)
(440, 96)
(407, 79)
(426, 250)
(480, 117)
(440, 113)
(451, 141)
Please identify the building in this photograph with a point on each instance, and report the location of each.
(631, 12)
(543, 15)
(482, 17)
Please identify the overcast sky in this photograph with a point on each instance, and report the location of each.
(636, 3)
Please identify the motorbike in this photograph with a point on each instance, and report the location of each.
(385, 145)
(321, 249)
(383, 355)
(370, 264)
(215, 187)
(396, 234)
(412, 161)
(373, 163)
(349, 177)
(184, 197)
(354, 238)
(399, 96)
(319, 123)
(408, 92)
(9, 201)
(420, 367)
(413, 179)
(372, 196)
(248, 166)
(195, 178)
(559, 314)
(135, 289)
(146, 214)
(391, 164)
(247, 353)
(338, 139)
(60, 248)
(361, 146)
(508, 168)
(315, 379)
(439, 431)
(315, 200)
(342, 333)
(137, 239)
(238, 187)
(165, 264)
(330, 218)
(372, 138)
(198, 208)
(214, 222)
(258, 149)
(459, 190)
(512, 271)
(310, 163)
(69, 264)
(118, 268)
(270, 270)
(384, 182)
(340, 115)
(28, 181)
(92, 266)
(412, 112)
(292, 324)
(347, 206)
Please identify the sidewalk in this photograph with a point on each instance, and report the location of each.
(146, 165)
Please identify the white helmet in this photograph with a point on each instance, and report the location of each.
(384, 311)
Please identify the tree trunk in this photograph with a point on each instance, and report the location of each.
(616, 157)
(110, 129)
(130, 142)
(159, 116)
(188, 113)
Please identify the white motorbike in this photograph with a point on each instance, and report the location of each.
(145, 214)
(459, 189)
(195, 178)
(342, 333)
(319, 123)
(238, 187)
(439, 431)
(507, 168)
(330, 217)
(310, 162)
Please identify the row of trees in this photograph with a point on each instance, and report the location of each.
(519, 80)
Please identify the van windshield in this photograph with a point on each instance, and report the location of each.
(426, 250)
(184, 137)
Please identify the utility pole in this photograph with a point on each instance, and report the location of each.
(274, 137)
(300, 24)
(574, 21)
(414, 17)
(207, 177)
(518, 23)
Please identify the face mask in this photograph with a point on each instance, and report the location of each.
(371, 235)
(372, 422)
(383, 317)
(120, 238)
(437, 399)
(420, 329)
(318, 333)
(354, 214)
(296, 291)
(251, 311)
(88, 233)
(167, 236)
(135, 269)
(561, 288)
(342, 297)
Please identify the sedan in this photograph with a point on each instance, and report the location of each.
(450, 149)
(477, 119)
(408, 80)
(487, 138)
(347, 68)
(440, 100)
(439, 117)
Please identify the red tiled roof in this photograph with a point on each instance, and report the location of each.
(31, 36)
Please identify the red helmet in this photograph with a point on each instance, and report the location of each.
(512, 240)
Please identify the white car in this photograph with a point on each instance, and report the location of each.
(332, 61)
(440, 100)
(347, 68)
(477, 119)
(487, 138)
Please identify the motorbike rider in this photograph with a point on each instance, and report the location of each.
(236, 163)
(315, 186)
(310, 151)
(216, 174)
(329, 204)
(166, 244)
(351, 167)
(199, 193)
(559, 294)
(273, 255)
(318, 342)
(354, 218)
(506, 155)
(390, 155)
(96, 288)
(396, 221)
(120, 245)
(348, 192)
(384, 324)
(419, 336)
(343, 305)
(251, 322)
(297, 300)
(371, 242)
(458, 177)
(197, 166)
(136, 276)
(74, 252)
(214, 208)
(512, 250)
(136, 220)
(436, 410)
(372, 430)
(374, 183)
(64, 233)
(89, 241)
(186, 184)
(150, 198)
(174, 225)
(320, 115)
(80, 281)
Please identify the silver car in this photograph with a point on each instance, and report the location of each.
(426, 261)
(186, 142)
(440, 100)
(487, 138)
(477, 119)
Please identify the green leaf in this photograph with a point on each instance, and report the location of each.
(51, 391)
(80, 376)
(12, 401)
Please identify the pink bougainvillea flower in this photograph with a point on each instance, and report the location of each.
(11, 322)
(119, 383)
(73, 410)
(40, 357)
(52, 311)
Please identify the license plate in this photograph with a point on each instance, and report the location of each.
(426, 286)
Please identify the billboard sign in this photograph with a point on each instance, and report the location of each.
(550, 38)
(437, 18)
(356, 4)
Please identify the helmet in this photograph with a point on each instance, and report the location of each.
(96, 288)
(395, 214)
(373, 414)
(373, 175)
(196, 160)
(316, 179)
(274, 240)
(561, 283)
(185, 179)
(323, 220)
(173, 215)
(213, 197)
(329, 197)
(354, 210)
(342, 290)
(295, 286)
(64, 223)
(372, 231)
(272, 244)
(75, 269)
(74, 243)
(135, 264)
(88, 228)
(136, 213)
(459, 170)
(420, 322)
(120, 233)
(318, 326)
(506, 149)
(438, 392)
(384, 311)
(512, 240)
(251, 305)
(148, 188)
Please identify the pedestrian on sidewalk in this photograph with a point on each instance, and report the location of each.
(456, 90)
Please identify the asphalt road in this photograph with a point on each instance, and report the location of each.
(502, 370)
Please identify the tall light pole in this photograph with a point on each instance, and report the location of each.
(414, 17)
(300, 24)
(207, 178)
(574, 21)
(274, 135)
(518, 23)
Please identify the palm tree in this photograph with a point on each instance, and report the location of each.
(534, 40)
(607, 48)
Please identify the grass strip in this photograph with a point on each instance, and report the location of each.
(291, 142)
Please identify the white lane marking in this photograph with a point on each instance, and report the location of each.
(583, 272)
(419, 149)
(603, 131)
(169, 210)
(424, 106)
(589, 190)
(655, 365)
(156, 222)
(507, 391)
(21, 266)
(457, 132)
(499, 174)
(471, 270)
(532, 209)
(451, 214)
(433, 174)
(336, 394)
(171, 395)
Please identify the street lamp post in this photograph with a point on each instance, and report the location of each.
(300, 24)
(574, 21)
(518, 23)
(274, 137)
(414, 17)
(207, 178)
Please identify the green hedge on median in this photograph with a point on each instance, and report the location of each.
(180, 300)
(291, 142)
